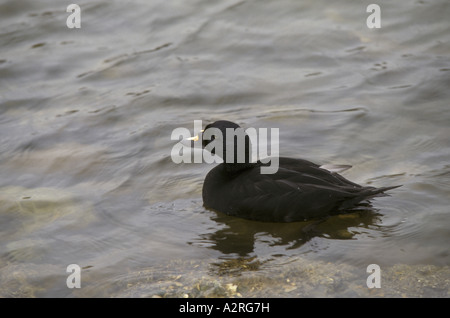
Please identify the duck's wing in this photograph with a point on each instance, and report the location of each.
(287, 196)
(335, 168)
(304, 171)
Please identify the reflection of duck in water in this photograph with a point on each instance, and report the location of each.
(298, 191)
(239, 237)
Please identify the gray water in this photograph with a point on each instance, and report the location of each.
(86, 117)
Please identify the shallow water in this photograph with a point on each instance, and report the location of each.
(86, 117)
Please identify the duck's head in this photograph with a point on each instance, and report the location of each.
(228, 141)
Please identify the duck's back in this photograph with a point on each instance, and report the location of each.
(299, 190)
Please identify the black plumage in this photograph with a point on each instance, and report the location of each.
(299, 190)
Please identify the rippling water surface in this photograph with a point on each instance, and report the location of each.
(86, 117)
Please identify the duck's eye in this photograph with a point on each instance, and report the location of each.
(213, 137)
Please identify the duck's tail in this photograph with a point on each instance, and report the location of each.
(366, 194)
(380, 192)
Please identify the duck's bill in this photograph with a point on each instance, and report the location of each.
(195, 138)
